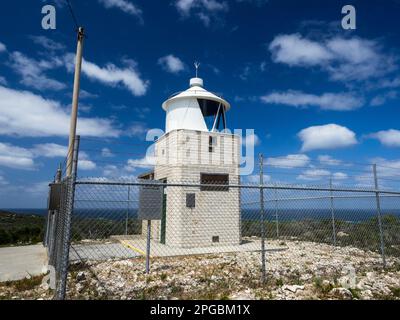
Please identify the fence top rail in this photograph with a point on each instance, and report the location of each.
(372, 195)
(244, 186)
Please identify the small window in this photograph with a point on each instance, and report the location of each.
(215, 239)
(220, 180)
(190, 200)
(212, 142)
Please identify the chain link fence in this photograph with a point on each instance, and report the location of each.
(117, 220)
(207, 238)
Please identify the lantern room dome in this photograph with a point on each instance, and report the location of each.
(196, 90)
(195, 109)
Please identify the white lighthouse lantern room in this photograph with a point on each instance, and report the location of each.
(197, 150)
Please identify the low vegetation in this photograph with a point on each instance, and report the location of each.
(21, 229)
(363, 235)
(27, 288)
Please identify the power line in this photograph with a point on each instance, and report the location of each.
(72, 14)
(107, 141)
(114, 152)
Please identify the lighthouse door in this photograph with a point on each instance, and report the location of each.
(163, 216)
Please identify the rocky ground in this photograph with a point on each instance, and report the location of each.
(302, 270)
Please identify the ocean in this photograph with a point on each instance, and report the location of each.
(344, 214)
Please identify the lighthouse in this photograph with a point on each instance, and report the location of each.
(198, 152)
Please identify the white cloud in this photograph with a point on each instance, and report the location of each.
(294, 50)
(32, 71)
(314, 174)
(111, 75)
(358, 59)
(15, 157)
(321, 174)
(289, 161)
(33, 75)
(125, 6)
(213, 69)
(23, 113)
(38, 188)
(186, 6)
(206, 10)
(138, 129)
(3, 80)
(171, 63)
(326, 101)
(389, 138)
(340, 176)
(3, 181)
(393, 83)
(47, 43)
(106, 152)
(352, 59)
(23, 158)
(382, 98)
(328, 160)
(245, 73)
(3, 47)
(330, 136)
(255, 179)
(251, 140)
(147, 161)
(84, 164)
(50, 150)
(111, 171)
(386, 168)
(364, 181)
(83, 94)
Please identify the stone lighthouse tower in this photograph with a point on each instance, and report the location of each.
(196, 149)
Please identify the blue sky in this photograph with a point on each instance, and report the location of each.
(311, 90)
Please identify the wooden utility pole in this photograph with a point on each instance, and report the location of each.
(75, 98)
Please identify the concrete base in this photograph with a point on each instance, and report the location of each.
(134, 246)
(161, 250)
(100, 252)
(18, 262)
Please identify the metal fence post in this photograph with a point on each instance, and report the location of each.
(46, 239)
(332, 214)
(262, 220)
(148, 246)
(60, 294)
(276, 213)
(378, 207)
(127, 211)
